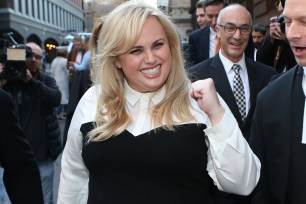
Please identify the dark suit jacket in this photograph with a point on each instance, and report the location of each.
(198, 46)
(259, 75)
(21, 174)
(275, 124)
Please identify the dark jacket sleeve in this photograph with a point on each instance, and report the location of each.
(46, 90)
(21, 173)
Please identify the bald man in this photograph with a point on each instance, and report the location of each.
(237, 78)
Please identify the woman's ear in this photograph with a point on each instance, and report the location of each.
(118, 64)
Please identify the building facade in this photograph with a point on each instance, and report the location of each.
(45, 22)
(181, 11)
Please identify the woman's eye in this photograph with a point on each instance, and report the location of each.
(159, 44)
(137, 51)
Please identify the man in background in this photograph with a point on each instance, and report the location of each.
(200, 14)
(276, 51)
(258, 36)
(202, 43)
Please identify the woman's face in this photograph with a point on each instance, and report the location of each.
(147, 64)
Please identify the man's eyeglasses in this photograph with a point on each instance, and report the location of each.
(35, 56)
(231, 29)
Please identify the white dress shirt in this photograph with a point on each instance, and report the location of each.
(231, 163)
(227, 64)
(212, 42)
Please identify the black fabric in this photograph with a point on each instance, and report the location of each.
(155, 167)
(53, 132)
(267, 52)
(53, 135)
(32, 99)
(21, 175)
(297, 182)
(274, 126)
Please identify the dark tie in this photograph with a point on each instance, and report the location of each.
(238, 90)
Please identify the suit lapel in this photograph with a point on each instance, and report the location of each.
(253, 85)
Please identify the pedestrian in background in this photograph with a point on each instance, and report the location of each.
(276, 51)
(258, 36)
(61, 76)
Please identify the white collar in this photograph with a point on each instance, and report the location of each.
(213, 33)
(133, 96)
(227, 64)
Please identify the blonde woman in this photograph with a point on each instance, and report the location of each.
(143, 133)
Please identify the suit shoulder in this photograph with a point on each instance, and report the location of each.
(200, 70)
(202, 65)
(261, 66)
(279, 82)
(199, 32)
(261, 70)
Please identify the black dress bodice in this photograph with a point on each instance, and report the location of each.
(159, 166)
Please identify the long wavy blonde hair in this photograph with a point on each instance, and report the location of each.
(94, 43)
(120, 32)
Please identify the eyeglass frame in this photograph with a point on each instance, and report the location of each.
(236, 27)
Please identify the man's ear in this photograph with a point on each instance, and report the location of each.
(218, 31)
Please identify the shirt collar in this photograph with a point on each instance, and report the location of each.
(229, 64)
(133, 96)
(213, 33)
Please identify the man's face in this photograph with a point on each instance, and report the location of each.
(201, 18)
(233, 44)
(34, 62)
(295, 18)
(212, 13)
(258, 38)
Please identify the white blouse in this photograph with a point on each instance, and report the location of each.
(231, 163)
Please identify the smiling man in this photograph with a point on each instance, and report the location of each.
(278, 133)
(238, 79)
